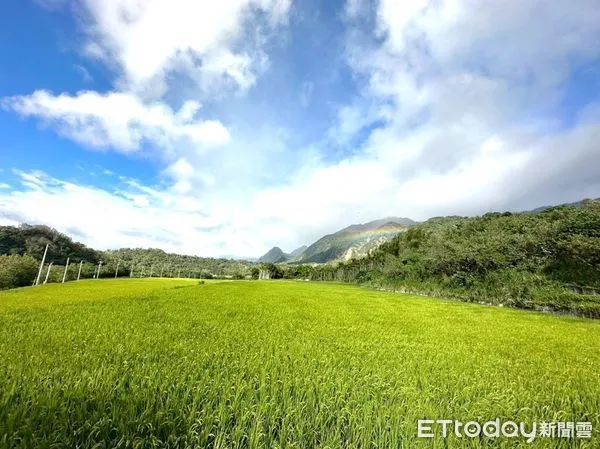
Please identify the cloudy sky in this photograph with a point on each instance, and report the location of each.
(227, 127)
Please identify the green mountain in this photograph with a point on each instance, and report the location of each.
(31, 240)
(274, 255)
(355, 241)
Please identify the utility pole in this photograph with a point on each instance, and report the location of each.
(131, 271)
(179, 273)
(117, 270)
(48, 273)
(151, 268)
(65, 273)
(99, 268)
(161, 270)
(79, 272)
(37, 281)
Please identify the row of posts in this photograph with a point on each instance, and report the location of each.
(152, 270)
(64, 278)
(96, 271)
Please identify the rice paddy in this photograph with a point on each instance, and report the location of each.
(275, 364)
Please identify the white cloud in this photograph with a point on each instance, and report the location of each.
(155, 49)
(149, 39)
(352, 119)
(530, 43)
(451, 77)
(188, 111)
(181, 169)
(118, 120)
(182, 172)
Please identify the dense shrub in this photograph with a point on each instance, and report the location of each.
(17, 271)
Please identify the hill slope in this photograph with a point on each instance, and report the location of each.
(357, 240)
(274, 255)
(298, 252)
(32, 240)
(577, 204)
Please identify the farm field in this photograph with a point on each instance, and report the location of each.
(274, 364)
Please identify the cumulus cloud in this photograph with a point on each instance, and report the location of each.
(182, 172)
(149, 40)
(117, 119)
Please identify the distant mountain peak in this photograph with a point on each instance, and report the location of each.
(274, 255)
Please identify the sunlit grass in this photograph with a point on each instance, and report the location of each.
(171, 363)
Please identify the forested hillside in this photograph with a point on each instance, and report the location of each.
(22, 248)
(172, 265)
(531, 260)
(32, 240)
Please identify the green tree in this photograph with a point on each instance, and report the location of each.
(17, 271)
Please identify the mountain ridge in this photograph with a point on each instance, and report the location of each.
(356, 240)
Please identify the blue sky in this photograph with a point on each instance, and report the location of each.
(225, 129)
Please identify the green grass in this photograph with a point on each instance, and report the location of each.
(170, 363)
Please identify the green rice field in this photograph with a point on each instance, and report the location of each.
(274, 364)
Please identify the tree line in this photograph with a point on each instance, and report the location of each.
(22, 248)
